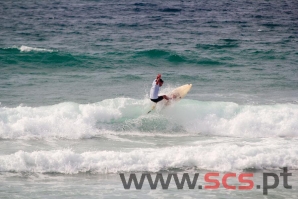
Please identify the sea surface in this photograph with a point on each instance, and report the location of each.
(75, 78)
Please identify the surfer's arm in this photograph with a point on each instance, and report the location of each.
(158, 78)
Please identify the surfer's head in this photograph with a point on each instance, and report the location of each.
(160, 83)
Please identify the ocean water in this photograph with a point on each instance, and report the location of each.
(74, 87)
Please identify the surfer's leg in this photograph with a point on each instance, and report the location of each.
(155, 101)
(158, 99)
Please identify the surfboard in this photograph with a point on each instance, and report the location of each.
(175, 95)
(180, 92)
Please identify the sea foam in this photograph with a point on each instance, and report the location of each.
(28, 49)
(267, 154)
(124, 115)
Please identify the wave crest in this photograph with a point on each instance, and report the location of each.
(268, 154)
(28, 49)
(121, 115)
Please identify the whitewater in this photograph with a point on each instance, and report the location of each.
(221, 136)
(122, 115)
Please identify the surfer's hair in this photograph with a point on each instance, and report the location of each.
(160, 80)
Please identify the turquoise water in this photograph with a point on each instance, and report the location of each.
(75, 80)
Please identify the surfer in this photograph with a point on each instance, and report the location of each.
(157, 83)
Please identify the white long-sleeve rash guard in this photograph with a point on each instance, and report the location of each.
(154, 90)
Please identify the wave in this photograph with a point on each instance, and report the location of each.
(28, 49)
(155, 53)
(32, 57)
(176, 58)
(70, 120)
(268, 154)
(170, 56)
(24, 48)
(217, 46)
(170, 10)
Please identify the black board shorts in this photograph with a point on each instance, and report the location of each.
(158, 99)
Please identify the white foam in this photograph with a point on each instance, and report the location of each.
(267, 154)
(65, 120)
(28, 49)
(231, 119)
(124, 116)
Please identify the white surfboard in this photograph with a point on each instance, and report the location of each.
(180, 92)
